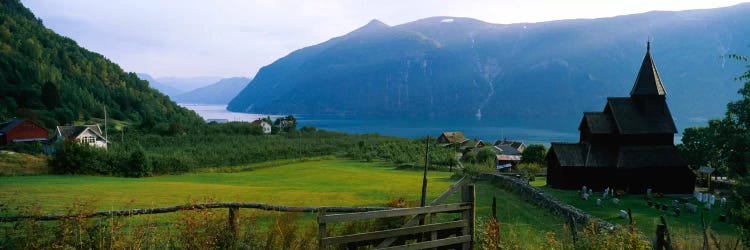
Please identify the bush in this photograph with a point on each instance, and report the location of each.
(72, 157)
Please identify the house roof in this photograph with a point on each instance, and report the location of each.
(7, 126)
(471, 143)
(640, 116)
(648, 82)
(454, 137)
(598, 123)
(514, 144)
(75, 131)
(507, 149)
(508, 157)
(260, 122)
(587, 155)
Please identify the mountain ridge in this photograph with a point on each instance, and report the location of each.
(463, 67)
(220, 92)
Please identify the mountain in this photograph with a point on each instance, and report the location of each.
(186, 84)
(163, 88)
(462, 68)
(220, 92)
(49, 78)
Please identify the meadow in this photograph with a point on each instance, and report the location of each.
(309, 183)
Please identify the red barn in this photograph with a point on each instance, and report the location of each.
(21, 130)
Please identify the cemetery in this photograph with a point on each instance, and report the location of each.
(682, 212)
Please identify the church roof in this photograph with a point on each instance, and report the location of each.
(599, 123)
(653, 156)
(648, 82)
(641, 116)
(625, 157)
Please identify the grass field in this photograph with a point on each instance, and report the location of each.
(330, 182)
(12, 164)
(312, 183)
(522, 225)
(686, 227)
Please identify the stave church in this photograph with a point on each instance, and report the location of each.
(627, 146)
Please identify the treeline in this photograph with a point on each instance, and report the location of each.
(136, 153)
(725, 145)
(404, 152)
(52, 80)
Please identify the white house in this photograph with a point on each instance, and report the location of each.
(89, 134)
(266, 127)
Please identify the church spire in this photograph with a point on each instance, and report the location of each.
(648, 82)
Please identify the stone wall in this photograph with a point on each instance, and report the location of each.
(536, 196)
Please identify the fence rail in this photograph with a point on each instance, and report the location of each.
(161, 210)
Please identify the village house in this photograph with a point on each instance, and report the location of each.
(627, 146)
(507, 156)
(451, 138)
(263, 124)
(472, 144)
(515, 144)
(22, 130)
(88, 134)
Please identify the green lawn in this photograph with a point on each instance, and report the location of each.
(313, 183)
(686, 227)
(522, 224)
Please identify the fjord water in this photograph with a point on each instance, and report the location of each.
(528, 131)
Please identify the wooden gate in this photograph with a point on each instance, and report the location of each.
(419, 232)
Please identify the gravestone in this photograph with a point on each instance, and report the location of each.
(691, 207)
(723, 201)
(616, 201)
(598, 202)
(648, 193)
(623, 214)
(712, 199)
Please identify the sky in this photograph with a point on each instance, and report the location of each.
(188, 38)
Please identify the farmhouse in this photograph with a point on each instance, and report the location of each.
(22, 130)
(450, 138)
(515, 144)
(89, 134)
(263, 124)
(628, 146)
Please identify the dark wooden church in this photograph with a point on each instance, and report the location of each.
(628, 146)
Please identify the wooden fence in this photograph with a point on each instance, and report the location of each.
(431, 234)
(466, 208)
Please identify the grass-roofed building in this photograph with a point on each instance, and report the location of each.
(629, 145)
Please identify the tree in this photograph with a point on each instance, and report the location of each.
(534, 153)
(485, 155)
(139, 166)
(50, 95)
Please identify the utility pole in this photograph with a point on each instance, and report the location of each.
(106, 138)
(424, 177)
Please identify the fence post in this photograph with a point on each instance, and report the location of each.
(494, 207)
(321, 228)
(659, 244)
(234, 222)
(468, 196)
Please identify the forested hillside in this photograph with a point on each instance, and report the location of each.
(51, 79)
